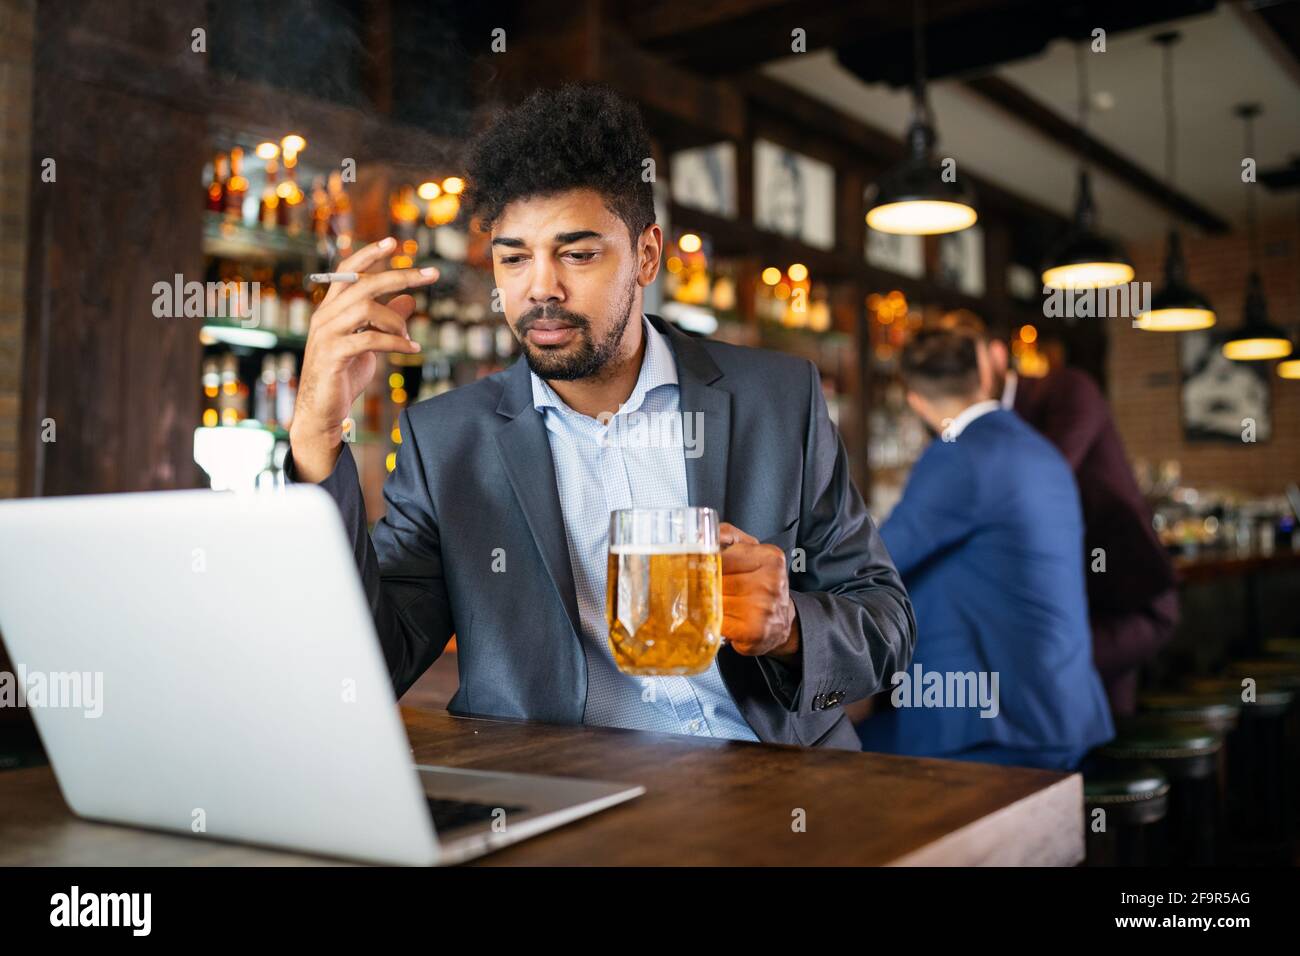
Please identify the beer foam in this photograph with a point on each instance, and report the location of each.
(639, 550)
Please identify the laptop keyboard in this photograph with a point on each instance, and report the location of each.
(449, 814)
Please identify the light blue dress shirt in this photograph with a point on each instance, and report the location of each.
(600, 468)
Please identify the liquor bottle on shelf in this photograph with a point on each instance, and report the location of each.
(233, 400)
(505, 341)
(420, 329)
(216, 191)
(342, 222)
(478, 333)
(211, 380)
(264, 406)
(269, 306)
(320, 209)
(435, 378)
(451, 337)
(404, 213)
(286, 389)
(269, 211)
(236, 187)
(819, 309)
(296, 207)
(297, 304)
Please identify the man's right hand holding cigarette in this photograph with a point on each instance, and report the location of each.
(345, 333)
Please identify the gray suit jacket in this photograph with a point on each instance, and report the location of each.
(474, 475)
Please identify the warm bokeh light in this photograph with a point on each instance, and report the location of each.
(797, 272)
(1032, 364)
(410, 247)
(782, 290)
(399, 396)
(1256, 350)
(922, 217)
(401, 208)
(771, 275)
(390, 460)
(443, 209)
(1289, 369)
(1088, 275)
(396, 436)
(400, 262)
(1028, 334)
(267, 150)
(429, 190)
(724, 294)
(293, 143)
(674, 264)
(689, 242)
(396, 380)
(1175, 320)
(210, 417)
(454, 185)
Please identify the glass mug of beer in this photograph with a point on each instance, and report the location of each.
(663, 594)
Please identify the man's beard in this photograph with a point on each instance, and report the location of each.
(589, 358)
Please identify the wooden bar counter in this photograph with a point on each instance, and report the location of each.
(708, 802)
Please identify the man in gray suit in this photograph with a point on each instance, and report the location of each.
(498, 508)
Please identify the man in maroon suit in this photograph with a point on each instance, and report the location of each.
(1132, 588)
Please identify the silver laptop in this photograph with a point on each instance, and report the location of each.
(206, 663)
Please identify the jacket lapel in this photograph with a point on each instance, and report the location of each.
(525, 452)
(706, 475)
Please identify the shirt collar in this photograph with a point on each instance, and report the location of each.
(1009, 389)
(968, 415)
(657, 368)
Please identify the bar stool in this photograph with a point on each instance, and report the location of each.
(1279, 671)
(1216, 711)
(1189, 755)
(1276, 672)
(1263, 803)
(1288, 647)
(1134, 799)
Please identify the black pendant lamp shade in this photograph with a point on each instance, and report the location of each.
(913, 198)
(1177, 307)
(919, 197)
(1256, 339)
(1083, 258)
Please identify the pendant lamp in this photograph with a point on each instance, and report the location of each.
(1177, 307)
(919, 197)
(1083, 258)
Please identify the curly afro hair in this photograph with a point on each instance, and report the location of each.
(574, 137)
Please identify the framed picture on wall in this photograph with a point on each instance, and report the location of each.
(1222, 400)
(794, 195)
(904, 255)
(704, 178)
(961, 260)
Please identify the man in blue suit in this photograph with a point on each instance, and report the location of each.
(988, 537)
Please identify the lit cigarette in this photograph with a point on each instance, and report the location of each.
(324, 277)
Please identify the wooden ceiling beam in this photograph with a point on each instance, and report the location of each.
(1031, 112)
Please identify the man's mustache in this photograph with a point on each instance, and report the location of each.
(553, 313)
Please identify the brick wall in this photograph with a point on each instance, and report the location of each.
(1143, 373)
(17, 21)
